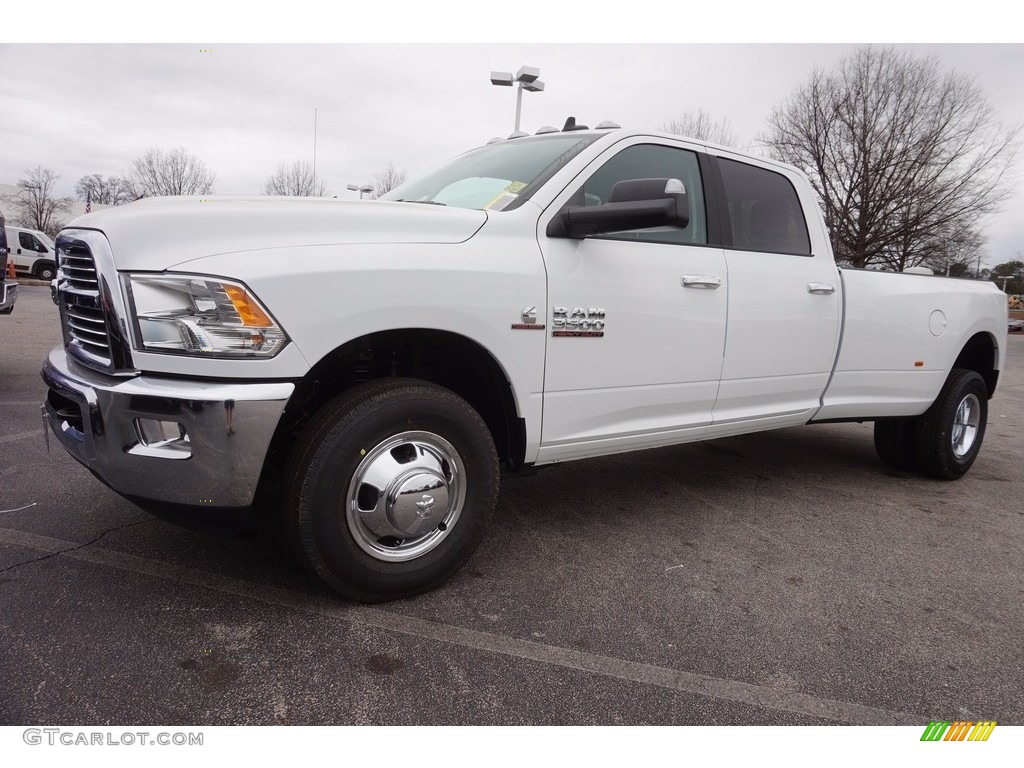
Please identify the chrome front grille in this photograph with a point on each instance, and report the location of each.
(80, 271)
(91, 329)
(88, 327)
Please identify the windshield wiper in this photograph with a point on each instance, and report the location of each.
(422, 202)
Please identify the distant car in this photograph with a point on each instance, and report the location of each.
(1016, 326)
(32, 252)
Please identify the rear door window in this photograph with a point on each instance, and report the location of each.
(764, 210)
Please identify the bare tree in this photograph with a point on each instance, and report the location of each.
(175, 172)
(700, 125)
(386, 179)
(903, 156)
(111, 190)
(36, 204)
(955, 253)
(295, 180)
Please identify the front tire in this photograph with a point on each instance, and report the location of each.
(950, 433)
(46, 272)
(390, 488)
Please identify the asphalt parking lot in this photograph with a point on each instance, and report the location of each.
(778, 578)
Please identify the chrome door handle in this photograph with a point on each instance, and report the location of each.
(822, 288)
(700, 281)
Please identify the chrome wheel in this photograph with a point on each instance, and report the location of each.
(965, 425)
(405, 496)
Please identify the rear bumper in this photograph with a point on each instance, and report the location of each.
(170, 441)
(8, 294)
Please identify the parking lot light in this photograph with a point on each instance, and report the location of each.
(526, 77)
(361, 189)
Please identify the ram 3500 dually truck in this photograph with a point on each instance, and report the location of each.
(540, 299)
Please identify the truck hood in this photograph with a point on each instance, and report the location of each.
(165, 232)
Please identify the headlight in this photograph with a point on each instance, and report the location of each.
(202, 316)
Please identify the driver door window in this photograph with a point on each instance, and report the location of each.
(649, 161)
(30, 242)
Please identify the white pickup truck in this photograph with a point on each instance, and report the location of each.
(540, 299)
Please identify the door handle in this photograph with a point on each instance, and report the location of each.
(822, 288)
(700, 281)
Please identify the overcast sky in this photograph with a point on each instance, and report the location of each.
(245, 108)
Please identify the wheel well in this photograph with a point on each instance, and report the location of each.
(446, 359)
(980, 354)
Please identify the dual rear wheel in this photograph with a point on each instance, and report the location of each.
(945, 440)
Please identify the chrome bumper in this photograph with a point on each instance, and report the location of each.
(8, 293)
(167, 440)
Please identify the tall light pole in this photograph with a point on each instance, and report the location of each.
(360, 189)
(526, 77)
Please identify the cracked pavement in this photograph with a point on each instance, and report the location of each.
(778, 578)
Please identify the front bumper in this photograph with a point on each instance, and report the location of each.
(8, 294)
(214, 438)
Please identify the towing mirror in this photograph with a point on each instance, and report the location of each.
(633, 204)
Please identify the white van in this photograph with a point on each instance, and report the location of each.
(32, 253)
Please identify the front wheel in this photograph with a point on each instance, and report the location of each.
(950, 433)
(45, 271)
(390, 488)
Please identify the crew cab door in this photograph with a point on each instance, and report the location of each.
(785, 298)
(636, 319)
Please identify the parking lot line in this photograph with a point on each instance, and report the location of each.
(636, 672)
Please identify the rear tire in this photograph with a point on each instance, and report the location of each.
(950, 433)
(390, 488)
(895, 443)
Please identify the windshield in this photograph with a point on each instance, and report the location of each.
(495, 177)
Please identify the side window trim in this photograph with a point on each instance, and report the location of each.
(719, 230)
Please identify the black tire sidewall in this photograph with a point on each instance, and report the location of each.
(894, 443)
(935, 437)
(336, 451)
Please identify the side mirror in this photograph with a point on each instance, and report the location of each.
(633, 204)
